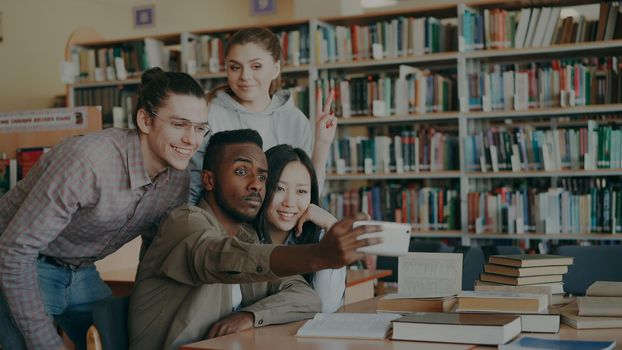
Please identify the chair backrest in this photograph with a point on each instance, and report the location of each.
(591, 263)
(416, 245)
(472, 265)
(110, 319)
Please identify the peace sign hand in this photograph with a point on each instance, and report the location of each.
(326, 122)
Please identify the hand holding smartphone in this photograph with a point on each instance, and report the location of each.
(395, 238)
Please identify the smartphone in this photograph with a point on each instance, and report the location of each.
(395, 238)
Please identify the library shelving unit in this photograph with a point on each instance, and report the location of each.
(107, 72)
(473, 121)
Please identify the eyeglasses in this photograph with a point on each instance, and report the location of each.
(199, 129)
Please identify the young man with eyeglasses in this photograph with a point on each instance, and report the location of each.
(85, 199)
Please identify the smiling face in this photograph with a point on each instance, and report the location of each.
(250, 70)
(240, 180)
(164, 145)
(292, 197)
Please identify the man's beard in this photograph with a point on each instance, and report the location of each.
(228, 210)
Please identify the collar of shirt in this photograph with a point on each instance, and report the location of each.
(246, 232)
(136, 163)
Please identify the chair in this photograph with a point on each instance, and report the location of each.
(591, 263)
(473, 261)
(109, 329)
(500, 250)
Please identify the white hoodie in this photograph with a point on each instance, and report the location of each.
(280, 123)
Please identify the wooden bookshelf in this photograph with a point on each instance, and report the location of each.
(454, 65)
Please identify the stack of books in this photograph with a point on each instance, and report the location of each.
(523, 272)
(396, 303)
(532, 308)
(600, 308)
(449, 327)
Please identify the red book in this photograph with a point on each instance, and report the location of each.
(26, 159)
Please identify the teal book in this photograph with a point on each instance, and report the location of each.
(557, 344)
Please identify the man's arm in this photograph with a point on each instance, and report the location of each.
(198, 254)
(337, 248)
(58, 192)
(292, 300)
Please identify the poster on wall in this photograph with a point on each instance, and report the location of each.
(44, 120)
(144, 16)
(262, 7)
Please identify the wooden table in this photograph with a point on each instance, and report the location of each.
(360, 284)
(278, 337)
(120, 281)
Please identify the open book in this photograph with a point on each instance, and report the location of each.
(348, 325)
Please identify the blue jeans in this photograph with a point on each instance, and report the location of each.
(68, 296)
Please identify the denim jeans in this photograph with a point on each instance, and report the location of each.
(68, 296)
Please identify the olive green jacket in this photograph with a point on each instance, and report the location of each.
(184, 282)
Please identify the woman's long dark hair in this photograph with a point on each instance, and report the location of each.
(278, 158)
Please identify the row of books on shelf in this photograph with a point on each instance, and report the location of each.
(399, 37)
(526, 148)
(414, 91)
(118, 103)
(536, 27)
(123, 61)
(579, 206)
(557, 83)
(13, 170)
(424, 149)
(201, 53)
(425, 208)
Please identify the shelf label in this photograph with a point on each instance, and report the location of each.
(377, 51)
(214, 65)
(68, 72)
(44, 120)
(341, 166)
(369, 166)
(191, 67)
(99, 74)
(119, 66)
(379, 108)
(110, 74)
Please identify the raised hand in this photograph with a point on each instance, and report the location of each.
(316, 215)
(326, 122)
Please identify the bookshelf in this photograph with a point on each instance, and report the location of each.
(460, 56)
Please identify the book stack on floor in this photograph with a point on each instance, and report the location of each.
(600, 308)
(521, 270)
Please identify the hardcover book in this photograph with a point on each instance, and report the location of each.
(489, 329)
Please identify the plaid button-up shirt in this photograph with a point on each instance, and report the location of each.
(81, 202)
